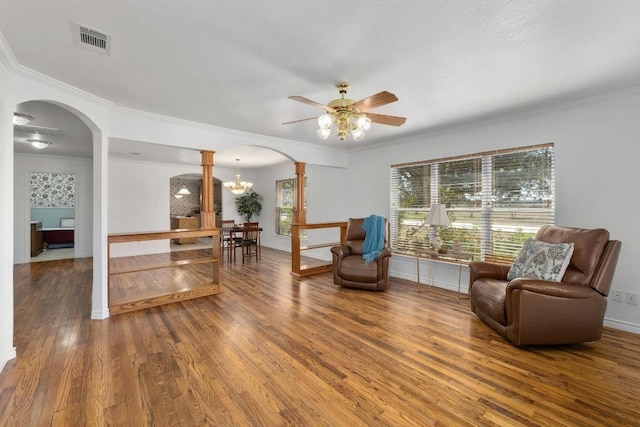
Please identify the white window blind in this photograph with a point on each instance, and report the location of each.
(285, 198)
(285, 203)
(495, 200)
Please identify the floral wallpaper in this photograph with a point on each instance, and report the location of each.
(189, 203)
(53, 190)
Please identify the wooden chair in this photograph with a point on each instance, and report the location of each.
(250, 242)
(226, 234)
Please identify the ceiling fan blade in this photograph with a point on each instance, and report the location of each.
(375, 101)
(310, 102)
(384, 119)
(301, 120)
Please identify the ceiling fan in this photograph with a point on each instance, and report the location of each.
(349, 116)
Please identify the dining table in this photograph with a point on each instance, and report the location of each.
(233, 232)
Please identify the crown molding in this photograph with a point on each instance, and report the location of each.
(6, 54)
(12, 64)
(218, 129)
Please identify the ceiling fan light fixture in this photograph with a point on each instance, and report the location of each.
(325, 121)
(323, 133)
(349, 115)
(38, 143)
(363, 122)
(20, 119)
(358, 134)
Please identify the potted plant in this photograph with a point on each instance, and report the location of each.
(249, 205)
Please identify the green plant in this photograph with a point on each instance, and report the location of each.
(249, 204)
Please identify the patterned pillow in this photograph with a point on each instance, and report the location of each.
(541, 260)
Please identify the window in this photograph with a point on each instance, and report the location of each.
(495, 201)
(285, 204)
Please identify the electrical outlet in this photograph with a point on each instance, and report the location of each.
(632, 298)
(616, 295)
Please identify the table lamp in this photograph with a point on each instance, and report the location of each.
(437, 217)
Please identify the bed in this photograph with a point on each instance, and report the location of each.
(60, 237)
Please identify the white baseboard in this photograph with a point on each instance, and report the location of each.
(623, 326)
(99, 315)
(11, 354)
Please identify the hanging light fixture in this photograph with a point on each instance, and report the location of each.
(20, 119)
(184, 190)
(38, 143)
(348, 120)
(238, 186)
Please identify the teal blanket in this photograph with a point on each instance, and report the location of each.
(373, 226)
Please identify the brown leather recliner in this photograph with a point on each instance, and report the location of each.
(530, 311)
(349, 268)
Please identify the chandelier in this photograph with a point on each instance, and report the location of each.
(346, 118)
(238, 186)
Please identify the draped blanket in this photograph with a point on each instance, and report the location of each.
(373, 226)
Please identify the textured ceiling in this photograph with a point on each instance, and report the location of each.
(234, 63)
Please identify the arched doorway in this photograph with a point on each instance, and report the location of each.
(53, 196)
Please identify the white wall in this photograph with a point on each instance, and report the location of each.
(324, 198)
(139, 200)
(82, 169)
(597, 150)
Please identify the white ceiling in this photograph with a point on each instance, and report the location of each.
(234, 63)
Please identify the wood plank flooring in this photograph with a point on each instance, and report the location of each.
(274, 351)
(144, 281)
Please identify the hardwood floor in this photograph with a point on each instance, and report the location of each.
(273, 351)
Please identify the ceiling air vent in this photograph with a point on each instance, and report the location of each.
(91, 39)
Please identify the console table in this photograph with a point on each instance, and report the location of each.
(431, 255)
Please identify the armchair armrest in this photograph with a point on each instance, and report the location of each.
(544, 312)
(385, 253)
(487, 270)
(554, 289)
(340, 251)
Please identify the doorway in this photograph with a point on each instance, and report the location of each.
(53, 184)
(52, 204)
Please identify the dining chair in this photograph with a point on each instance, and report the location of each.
(250, 243)
(225, 241)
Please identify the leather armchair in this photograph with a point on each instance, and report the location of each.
(349, 268)
(532, 312)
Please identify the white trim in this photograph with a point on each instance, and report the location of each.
(622, 325)
(99, 315)
(11, 354)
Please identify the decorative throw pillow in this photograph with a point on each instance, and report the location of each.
(541, 260)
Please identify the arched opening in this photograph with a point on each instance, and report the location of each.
(53, 155)
(185, 206)
(76, 147)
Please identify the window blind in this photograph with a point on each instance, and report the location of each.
(495, 200)
(285, 198)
